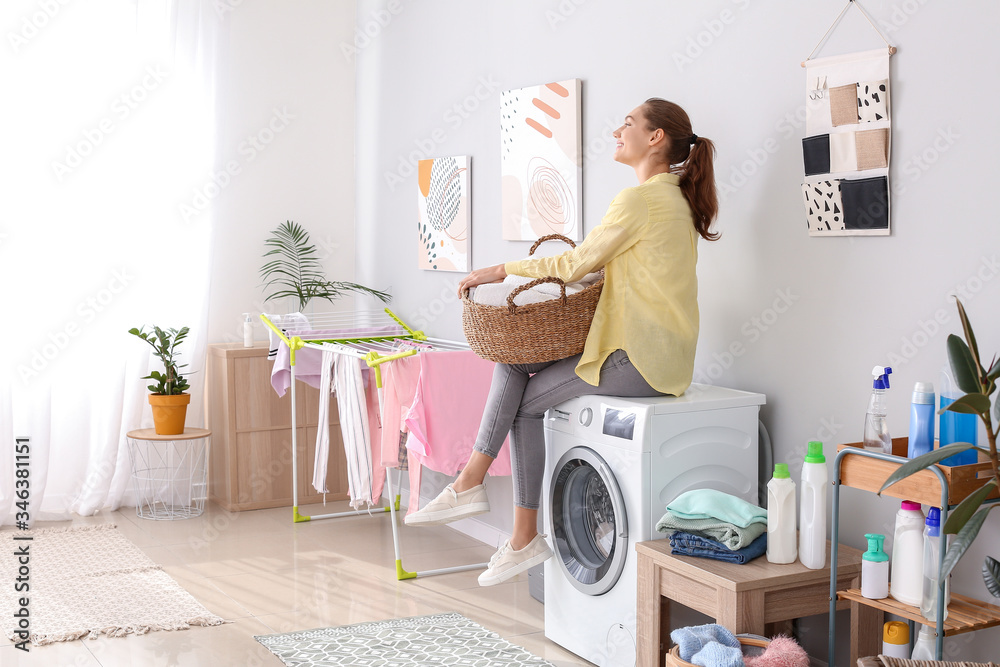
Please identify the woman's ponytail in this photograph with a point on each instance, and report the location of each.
(694, 157)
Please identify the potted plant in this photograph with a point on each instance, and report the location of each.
(168, 400)
(296, 269)
(979, 382)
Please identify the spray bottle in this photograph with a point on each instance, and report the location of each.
(877, 437)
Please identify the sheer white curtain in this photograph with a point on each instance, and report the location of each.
(108, 127)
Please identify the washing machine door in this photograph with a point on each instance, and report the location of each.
(589, 526)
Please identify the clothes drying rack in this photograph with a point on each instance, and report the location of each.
(371, 336)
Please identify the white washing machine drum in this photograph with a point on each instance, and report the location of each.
(589, 526)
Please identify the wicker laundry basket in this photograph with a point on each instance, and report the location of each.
(673, 658)
(534, 332)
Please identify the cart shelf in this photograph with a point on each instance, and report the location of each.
(924, 487)
(965, 614)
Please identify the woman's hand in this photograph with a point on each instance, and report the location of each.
(490, 274)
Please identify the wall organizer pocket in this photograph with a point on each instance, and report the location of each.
(866, 203)
(847, 146)
(824, 206)
(816, 154)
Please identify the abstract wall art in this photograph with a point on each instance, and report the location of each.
(541, 167)
(443, 214)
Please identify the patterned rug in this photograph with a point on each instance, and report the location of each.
(440, 639)
(86, 581)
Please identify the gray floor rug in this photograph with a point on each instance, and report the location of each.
(439, 639)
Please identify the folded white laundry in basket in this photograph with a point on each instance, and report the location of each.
(495, 294)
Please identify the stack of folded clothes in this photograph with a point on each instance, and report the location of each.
(712, 524)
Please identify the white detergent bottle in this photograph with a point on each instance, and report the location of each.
(925, 647)
(875, 569)
(906, 578)
(812, 509)
(781, 516)
(932, 567)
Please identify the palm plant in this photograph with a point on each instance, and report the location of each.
(979, 383)
(296, 270)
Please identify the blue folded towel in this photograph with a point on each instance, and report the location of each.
(692, 639)
(717, 655)
(686, 544)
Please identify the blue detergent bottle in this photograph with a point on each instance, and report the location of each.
(955, 426)
(921, 440)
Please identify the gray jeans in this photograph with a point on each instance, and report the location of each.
(519, 396)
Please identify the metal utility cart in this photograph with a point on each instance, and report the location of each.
(938, 486)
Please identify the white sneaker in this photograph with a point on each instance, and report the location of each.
(507, 563)
(451, 506)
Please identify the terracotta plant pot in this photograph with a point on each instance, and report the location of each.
(169, 413)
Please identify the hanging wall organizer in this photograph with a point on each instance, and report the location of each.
(846, 150)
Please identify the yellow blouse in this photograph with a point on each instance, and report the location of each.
(648, 247)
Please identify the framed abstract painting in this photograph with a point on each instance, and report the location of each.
(541, 166)
(443, 214)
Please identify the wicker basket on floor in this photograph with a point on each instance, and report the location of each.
(673, 658)
(534, 332)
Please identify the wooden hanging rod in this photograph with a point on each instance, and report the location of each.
(892, 52)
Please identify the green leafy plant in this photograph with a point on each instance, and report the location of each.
(296, 270)
(979, 383)
(164, 343)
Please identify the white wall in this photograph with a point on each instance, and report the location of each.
(845, 304)
(285, 113)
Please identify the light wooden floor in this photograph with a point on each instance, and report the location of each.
(268, 575)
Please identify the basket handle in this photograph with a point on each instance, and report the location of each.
(550, 237)
(511, 306)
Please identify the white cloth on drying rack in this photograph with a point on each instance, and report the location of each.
(323, 427)
(292, 322)
(345, 380)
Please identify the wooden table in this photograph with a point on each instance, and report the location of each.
(743, 598)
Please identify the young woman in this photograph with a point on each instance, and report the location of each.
(643, 336)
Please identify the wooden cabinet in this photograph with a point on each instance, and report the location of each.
(251, 455)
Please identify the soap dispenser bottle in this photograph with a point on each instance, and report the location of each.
(875, 569)
(247, 331)
(876, 429)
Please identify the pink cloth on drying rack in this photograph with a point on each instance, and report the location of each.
(399, 384)
(308, 361)
(444, 417)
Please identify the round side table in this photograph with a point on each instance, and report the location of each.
(170, 472)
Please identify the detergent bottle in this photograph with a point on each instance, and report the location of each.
(907, 569)
(876, 428)
(956, 426)
(925, 647)
(921, 439)
(812, 517)
(932, 552)
(896, 639)
(781, 516)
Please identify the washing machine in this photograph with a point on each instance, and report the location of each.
(612, 465)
